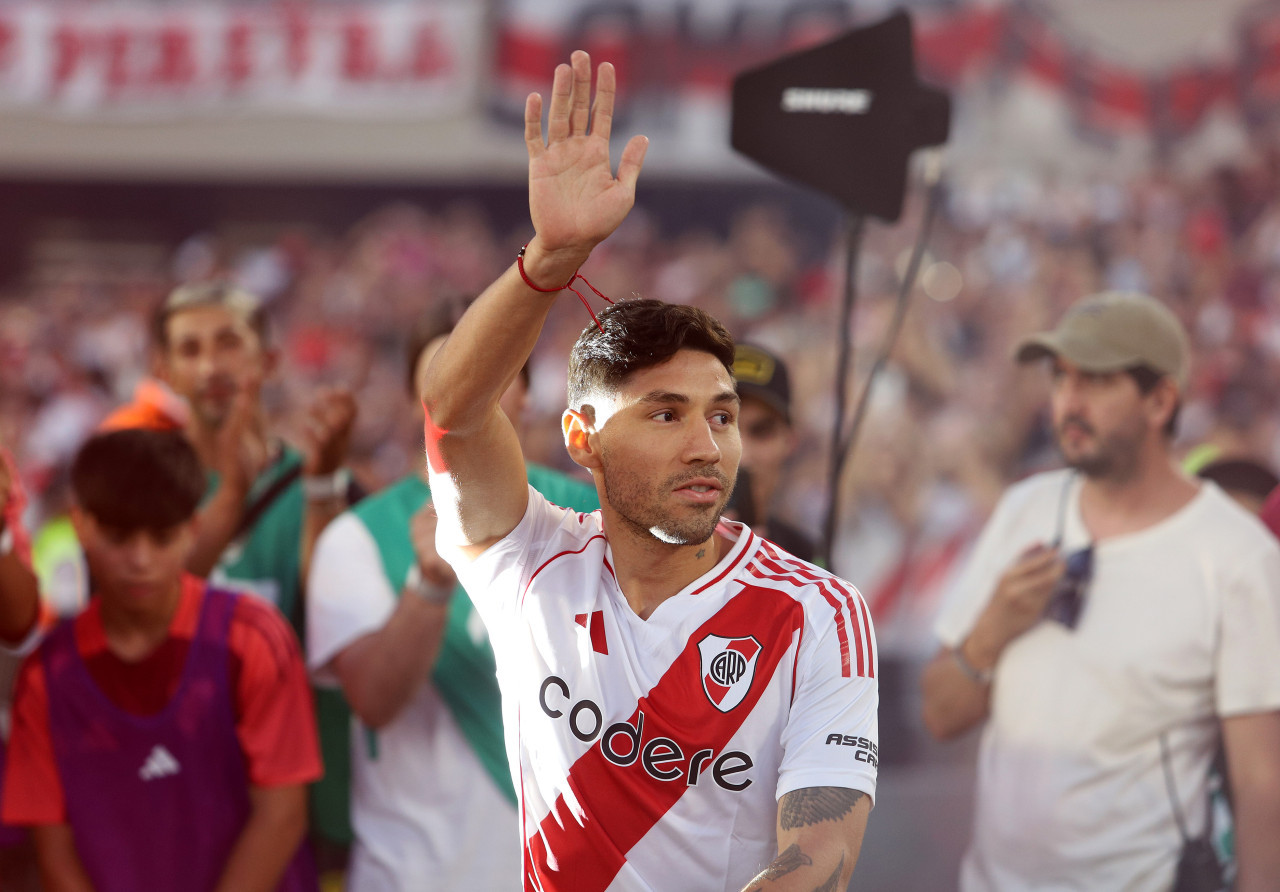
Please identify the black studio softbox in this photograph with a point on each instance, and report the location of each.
(843, 117)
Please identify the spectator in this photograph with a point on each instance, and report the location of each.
(19, 596)
(1114, 618)
(1247, 481)
(432, 800)
(163, 738)
(268, 501)
(687, 704)
(213, 350)
(768, 439)
(19, 611)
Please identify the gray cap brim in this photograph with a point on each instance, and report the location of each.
(1089, 354)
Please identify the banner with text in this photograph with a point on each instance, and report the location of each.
(136, 59)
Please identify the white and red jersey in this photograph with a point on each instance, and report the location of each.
(650, 754)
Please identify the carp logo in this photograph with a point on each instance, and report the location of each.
(728, 666)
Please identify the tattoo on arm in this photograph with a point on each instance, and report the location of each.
(791, 859)
(830, 884)
(813, 805)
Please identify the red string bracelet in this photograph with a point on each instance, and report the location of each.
(569, 285)
(529, 282)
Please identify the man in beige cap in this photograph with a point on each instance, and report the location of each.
(1114, 618)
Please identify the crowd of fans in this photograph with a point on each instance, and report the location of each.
(951, 423)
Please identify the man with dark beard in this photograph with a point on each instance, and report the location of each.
(686, 705)
(1115, 618)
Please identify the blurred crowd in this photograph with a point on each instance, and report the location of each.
(951, 422)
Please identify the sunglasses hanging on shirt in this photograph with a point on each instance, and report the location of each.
(1067, 602)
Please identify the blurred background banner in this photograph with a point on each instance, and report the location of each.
(142, 59)
(1144, 70)
(253, 88)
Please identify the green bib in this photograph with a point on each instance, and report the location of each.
(465, 673)
(265, 560)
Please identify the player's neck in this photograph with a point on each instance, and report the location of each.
(1155, 491)
(649, 571)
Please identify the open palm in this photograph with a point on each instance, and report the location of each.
(574, 199)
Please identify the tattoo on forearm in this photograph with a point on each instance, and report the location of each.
(813, 805)
(791, 859)
(830, 884)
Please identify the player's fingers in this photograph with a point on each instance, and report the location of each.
(533, 125)
(632, 161)
(558, 112)
(580, 104)
(602, 109)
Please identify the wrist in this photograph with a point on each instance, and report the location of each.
(549, 271)
(419, 586)
(6, 540)
(980, 674)
(979, 650)
(328, 487)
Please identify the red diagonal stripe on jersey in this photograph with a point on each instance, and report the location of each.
(583, 853)
(782, 574)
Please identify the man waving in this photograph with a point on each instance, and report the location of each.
(686, 705)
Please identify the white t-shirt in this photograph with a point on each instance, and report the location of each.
(426, 814)
(1181, 626)
(649, 754)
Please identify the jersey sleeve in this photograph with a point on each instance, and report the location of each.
(275, 717)
(33, 791)
(1248, 662)
(495, 579)
(348, 595)
(832, 734)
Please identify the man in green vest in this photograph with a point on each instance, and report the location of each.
(432, 800)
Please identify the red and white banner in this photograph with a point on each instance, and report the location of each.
(677, 58)
(129, 59)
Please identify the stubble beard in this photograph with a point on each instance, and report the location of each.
(638, 504)
(1114, 457)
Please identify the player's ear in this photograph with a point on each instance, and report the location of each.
(581, 437)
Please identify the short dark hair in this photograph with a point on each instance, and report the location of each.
(437, 322)
(1147, 378)
(206, 294)
(638, 334)
(137, 478)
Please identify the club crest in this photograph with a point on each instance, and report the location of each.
(728, 666)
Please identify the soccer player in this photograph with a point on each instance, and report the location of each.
(162, 739)
(686, 705)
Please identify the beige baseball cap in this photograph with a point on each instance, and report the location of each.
(1112, 331)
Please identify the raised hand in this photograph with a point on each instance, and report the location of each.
(574, 199)
(326, 430)
(239, 450)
